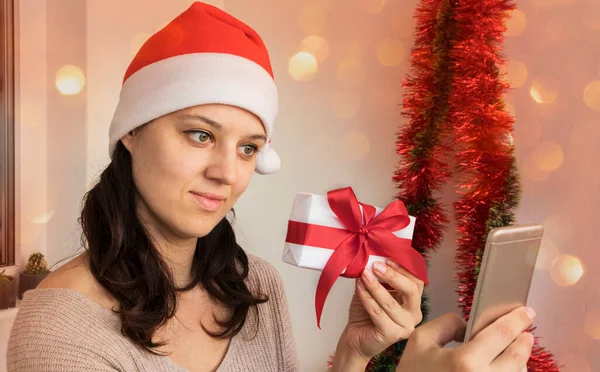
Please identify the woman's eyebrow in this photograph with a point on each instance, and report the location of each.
(204, 119)
(219, 126)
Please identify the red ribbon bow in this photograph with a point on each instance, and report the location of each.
(359, 240)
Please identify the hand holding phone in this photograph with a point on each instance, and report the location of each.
(505, 274)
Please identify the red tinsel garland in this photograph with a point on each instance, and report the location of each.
(424, 169)
(480, 124)
(483, 149)
(455, 88)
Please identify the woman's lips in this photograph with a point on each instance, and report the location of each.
(208, 201)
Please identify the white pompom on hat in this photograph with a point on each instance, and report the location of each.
(203, 56)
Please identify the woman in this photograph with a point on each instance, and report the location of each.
(163, 285)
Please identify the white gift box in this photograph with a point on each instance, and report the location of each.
(314, 209)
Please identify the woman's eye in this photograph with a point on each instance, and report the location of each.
(249, 149)
(200, 136)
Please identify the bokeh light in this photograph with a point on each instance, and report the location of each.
(591, 324)
(355, 146)
(137, 42)
(390, 52)
(350, 72)
(516, 73)
(566, 270)
(531, 171)
(70, 80)
(548, 156)
(312, 20)
(346, 104)
(516, 23)
(544, 90)
(591, 95)
(43, 218)
(302, 66)
(371, 6)
(317, 46)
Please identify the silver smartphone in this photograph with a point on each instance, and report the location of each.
(505, 274)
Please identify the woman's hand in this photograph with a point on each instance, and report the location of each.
(503, 346)
(379, 318)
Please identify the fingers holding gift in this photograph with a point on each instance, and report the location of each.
(408, 287)
(408, 274)
(383, 309)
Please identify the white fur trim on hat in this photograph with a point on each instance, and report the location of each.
(194, 79)
(267, 160)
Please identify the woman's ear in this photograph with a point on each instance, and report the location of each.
(127, 139)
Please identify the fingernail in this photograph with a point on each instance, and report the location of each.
(392, 264)
(379, 267)
(530, 312)
(361, 284)
(368, 274)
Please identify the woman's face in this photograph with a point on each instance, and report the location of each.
(191, 166)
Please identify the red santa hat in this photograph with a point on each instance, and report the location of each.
(204, 56)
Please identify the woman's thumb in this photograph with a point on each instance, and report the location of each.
(443, 330)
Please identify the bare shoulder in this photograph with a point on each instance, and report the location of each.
(75, 275)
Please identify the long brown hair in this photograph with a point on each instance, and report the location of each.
(125, 262)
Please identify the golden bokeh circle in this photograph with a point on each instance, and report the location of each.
(390, 52)
(549, 156)
(591, 323)
(70, 80)
(544, 90)
(531, 171)
(566, 270)
(591, 95)
(303, 66)
(317, 46)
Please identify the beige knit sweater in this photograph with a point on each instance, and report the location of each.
(61, 330)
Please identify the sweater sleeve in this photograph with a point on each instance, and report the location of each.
(46, 338)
